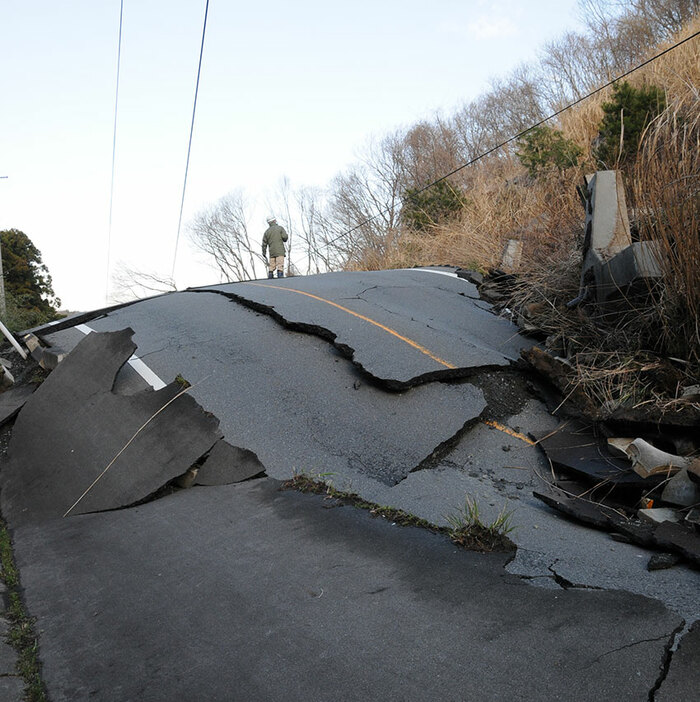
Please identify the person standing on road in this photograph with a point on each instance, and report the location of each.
(274, 239)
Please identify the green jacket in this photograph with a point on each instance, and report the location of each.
(274, 238)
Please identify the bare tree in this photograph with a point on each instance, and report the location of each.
(315, 231)
(221, 232)
(132, 284)
(365, 205)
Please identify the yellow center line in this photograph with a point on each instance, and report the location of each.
(388, 330)
(506, 430)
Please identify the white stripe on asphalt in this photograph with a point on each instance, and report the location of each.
(428, 270)
(136, 363)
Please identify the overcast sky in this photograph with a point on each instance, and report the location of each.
(287, 89)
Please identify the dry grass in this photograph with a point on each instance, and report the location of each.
(666, 194)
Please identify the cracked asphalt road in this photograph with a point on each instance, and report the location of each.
(382, 382)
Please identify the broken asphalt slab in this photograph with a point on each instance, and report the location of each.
(12, 400)
(246, 592)
(402, 327)
(226, 464)
(77, 445)
(573, 446)
(290, 398)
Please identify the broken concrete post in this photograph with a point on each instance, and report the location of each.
(613, 266)
(648, 460)
(512, 254)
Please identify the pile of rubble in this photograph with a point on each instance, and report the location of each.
(627, 486)
(632, 470)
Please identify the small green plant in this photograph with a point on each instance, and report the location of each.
(543, 149)
(626, 117)
(21, 634)
(182, 382)
(468, 529)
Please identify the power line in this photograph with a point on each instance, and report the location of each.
(114, 148)
(189, 146)
(518, 135)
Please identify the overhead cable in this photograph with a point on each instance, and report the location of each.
(189, 146)
(518, 135)
(114, 149)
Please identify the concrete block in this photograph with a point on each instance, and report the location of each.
(657, 515)
(46, 358)
(630, 273)
(614, 266)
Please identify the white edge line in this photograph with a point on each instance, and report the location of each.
(136, 363)
(427, 270)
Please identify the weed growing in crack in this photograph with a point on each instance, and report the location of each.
(182, 382)
(468, 529)
(21, 635)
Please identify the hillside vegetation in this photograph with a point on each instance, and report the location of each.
(648, 126)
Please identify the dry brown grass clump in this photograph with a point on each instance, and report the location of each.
(666, 195)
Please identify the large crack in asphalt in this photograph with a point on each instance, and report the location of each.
(671, 646)
(390, 384)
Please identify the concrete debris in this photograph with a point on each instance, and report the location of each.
(618, 446)
(559, 372)
(648, 460)
(473, 277)
(665, 535)
(681, 490)
(46, 358)
(645, 507)
(223, 465)
(614, 267)
(574, 446)
(99, 450)
(657, 515)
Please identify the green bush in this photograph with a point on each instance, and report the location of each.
(632, 108)
(543, 149)
(21, 314)
(425, 208)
